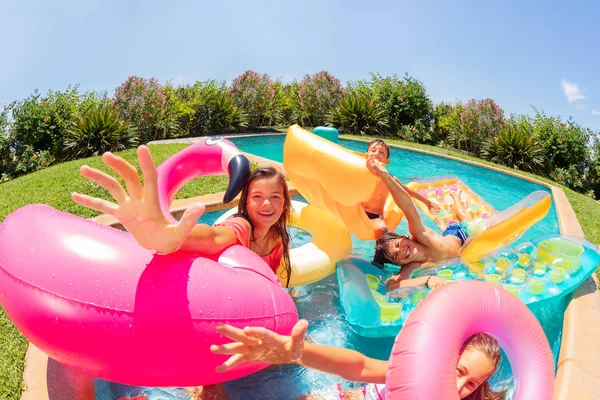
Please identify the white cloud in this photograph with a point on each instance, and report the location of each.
(572, 91)
(579, 106)
(596, 112)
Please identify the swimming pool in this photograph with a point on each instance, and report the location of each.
(319, 302)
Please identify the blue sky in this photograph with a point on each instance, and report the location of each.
(542, 53)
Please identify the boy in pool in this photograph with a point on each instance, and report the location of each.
(379, 151)
(425, 247)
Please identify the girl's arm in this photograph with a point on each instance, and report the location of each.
(213, 239)
(347, 364)
(261, 344)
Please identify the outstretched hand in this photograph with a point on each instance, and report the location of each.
(138, 207)
(260, 344)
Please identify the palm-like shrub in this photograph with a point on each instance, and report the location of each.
(359, 113)
(218, 113)
(99, 131)
(516, 147)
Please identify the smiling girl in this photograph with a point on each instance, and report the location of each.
(264, 212)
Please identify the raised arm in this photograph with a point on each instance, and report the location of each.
(347, 364)
(260, 344)
(139, 211)
(434, 208)
(402, 199)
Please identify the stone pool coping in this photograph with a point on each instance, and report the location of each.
(578, 375)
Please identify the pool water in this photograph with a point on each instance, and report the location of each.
(319, 302)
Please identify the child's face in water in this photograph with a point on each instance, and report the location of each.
(379, 153)
(474, 367)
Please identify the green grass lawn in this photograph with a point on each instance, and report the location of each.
(54, 186)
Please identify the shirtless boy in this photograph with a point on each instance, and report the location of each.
(426, 246)
(379, 151)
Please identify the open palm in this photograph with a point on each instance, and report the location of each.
(138, 207)
(260, 344)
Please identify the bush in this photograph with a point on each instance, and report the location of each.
(419, 132)
(359, 113)
(254, 94)
(564, 144)
(190, 97)
(178, 114)
(319, 95)
(405, 101)
(286, 105)
(5, 156)
(99, 131)
(217, 114)
(594, 165)
(480, 122)
(516, 146)
(574, 178)
(141, 102)
(26, 160)
(42, 122)
(447, 125)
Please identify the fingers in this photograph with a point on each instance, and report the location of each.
(261, 333)
(127, 172)
(298, 334)
(230, 348)
(150, 175)
(232, 362)
(105, 207)
(106, 181)
(299, 331)
(236, 334)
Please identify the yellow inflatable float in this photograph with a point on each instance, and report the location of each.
(316, 260)
(336, 180)
(506, 226)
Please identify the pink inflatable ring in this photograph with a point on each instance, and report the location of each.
(93, 299)
(424, 357)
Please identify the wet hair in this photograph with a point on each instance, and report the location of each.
(381, 142)
(382, 254)
(280, 227)
(489, 346)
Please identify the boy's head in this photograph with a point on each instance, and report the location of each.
(379, 150)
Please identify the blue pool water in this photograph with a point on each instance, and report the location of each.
(319, 302)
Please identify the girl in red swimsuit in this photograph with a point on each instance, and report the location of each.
(261, 223)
